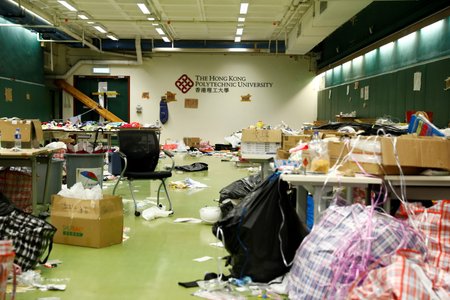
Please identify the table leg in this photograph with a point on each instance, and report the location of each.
(302, 203)
(34, 184)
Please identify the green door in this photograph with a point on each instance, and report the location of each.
(118, 104)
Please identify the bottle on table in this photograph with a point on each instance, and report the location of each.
(17, 140)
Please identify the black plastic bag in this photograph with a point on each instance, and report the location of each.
(240, 188)
(194, 167)
(262, 233)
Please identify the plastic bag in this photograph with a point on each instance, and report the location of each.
(239, 188)
(262, 232)
(194, 167)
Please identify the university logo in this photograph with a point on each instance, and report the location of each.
(184, 83)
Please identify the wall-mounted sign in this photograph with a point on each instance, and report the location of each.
(217, 83)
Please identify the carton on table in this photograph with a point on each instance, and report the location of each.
(417, 151)
(31, 131)
(260, 141)
(90, 223)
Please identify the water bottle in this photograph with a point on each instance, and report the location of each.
(17, 140)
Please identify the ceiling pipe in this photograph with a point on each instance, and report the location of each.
(83, 62)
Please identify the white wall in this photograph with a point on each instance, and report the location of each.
(292, 97)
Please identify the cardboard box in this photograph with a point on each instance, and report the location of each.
(90, 223)
(417, 151)
(366, 156)
(290, 141)
(31, 131)
(260, 141)
(261, 135)
(193, 142)
(283, 154)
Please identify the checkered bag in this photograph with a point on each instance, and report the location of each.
(319, 257)
(434, 222)
(17, 187)
(31, 236)
(407, 276)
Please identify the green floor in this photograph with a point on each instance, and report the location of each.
(158, 253)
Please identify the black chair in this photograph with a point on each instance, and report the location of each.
(139, 149)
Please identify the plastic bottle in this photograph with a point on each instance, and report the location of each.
(17, 140)
(320, 162)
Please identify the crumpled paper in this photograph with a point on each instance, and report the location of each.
(155, 212)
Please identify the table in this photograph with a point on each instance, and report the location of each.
(28, 158)
(263, 159)
(89, 134)
(416, 187)
(317, 184)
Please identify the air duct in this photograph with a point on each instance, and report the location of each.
(319, 21)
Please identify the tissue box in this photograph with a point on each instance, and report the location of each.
(89, 223)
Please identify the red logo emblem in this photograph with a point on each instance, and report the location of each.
(184, 83)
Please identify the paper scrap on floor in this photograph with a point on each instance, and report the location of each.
(187, 220)
(202, 259)
(155, 212)
(188, 183)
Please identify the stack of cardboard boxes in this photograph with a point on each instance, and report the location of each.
(260, 141)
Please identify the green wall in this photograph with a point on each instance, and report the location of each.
(22, 75)
(388, 73)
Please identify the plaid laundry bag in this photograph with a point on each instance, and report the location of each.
(346, 241)
(32, 237)
(17, 187)
(434, 222)
(406, 277)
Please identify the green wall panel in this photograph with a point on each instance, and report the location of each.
(28, 101)
(392, 95)
(389, 73)
(22, 70)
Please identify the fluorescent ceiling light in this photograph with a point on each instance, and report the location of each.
(112, 37)
(143, 8)
(67, 5)
(83, 17)
(237, 39)
(244, 8)
(155, 24)
(151, 19)
(160, 31)
(241, 19)
(99, 28)
(239, 31)
(166, 39)
(91, 22)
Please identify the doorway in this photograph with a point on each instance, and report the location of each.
(115, 91)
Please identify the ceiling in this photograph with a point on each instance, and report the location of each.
(294, 27)
(266, 20)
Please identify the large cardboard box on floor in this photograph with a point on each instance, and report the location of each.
(417, 151)
(31, 131)
(90, 223)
